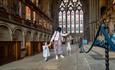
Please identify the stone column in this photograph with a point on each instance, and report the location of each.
(23, 39)
(90, 18)
(62, 21)
(75, 21)
(79, 20)
(66, 21)
(70, 23)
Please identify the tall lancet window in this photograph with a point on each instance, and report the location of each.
(71, 16)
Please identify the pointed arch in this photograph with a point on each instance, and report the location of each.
(71, 16)
(5, 33)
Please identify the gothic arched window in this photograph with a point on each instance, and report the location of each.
(71, 16)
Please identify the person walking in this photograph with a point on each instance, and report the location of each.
(57, 42)
(46, 52)
(81, 45)
(68, 42)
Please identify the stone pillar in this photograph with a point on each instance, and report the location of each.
(66, 21)
(79, 20)
(93, 16)
(86, 20)
(90, 18)
(62, 22)
(38, 36)
(23, 39)
(75, 21)
(70, 22)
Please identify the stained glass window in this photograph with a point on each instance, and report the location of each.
(60, 19)
(72, 22)
(20, 8)
(34, 16)
(28, 13)
(64, 22)
(71, 16)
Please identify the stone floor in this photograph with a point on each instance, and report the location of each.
(75, 61)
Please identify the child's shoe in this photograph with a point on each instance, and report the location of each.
(56, 57)
(61, 56)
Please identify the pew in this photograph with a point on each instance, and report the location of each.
(9, 51)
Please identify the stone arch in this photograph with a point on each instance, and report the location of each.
(18, 28)
(17, 35)
(28, 36)
(46, 38)
(84, 5)
(5, 33)
(28, 43)
(35, 36)
(40, 36)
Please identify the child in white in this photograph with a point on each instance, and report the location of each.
(68, 46)
(46, 52)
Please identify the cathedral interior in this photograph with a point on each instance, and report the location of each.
(26, 24)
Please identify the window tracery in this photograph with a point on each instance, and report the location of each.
(71, 16)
